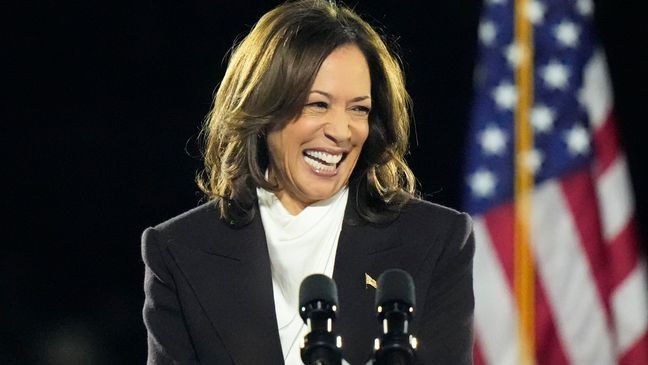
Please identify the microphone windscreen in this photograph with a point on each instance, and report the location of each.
(318, 287)
(395, 285)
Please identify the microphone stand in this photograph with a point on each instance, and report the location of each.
(320, 346)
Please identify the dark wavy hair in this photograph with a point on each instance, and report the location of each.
(267, 81)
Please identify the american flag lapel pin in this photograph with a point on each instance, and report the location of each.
(369, 281)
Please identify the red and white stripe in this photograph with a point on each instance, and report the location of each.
(591, 284)
(629, 280)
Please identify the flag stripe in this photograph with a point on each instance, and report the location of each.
(576, 304)
(578, 190)
(629, 303)
(548, 347)
(478, 357)
(496, 330)
(606, 145)
(624, 254)
(615, 198)
(499, 224)
(637, 354)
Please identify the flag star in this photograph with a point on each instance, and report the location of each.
(493, 140)
(585, 7)
(482, 183)
(542, 118)
(487, 32)
(505, 95)
(567, 33)
(555, 75)
(578, 140)
(513, 53)
(535, 11)
(533, 160)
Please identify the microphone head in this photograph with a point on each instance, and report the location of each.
(317, 287)
(395, 285)
(318, 300)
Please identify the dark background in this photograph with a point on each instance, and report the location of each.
(104, 103)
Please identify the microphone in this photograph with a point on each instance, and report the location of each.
(318, 302)
(395, 299)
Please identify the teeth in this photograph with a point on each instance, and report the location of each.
(326, 157)
(318, 165)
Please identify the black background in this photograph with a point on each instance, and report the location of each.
(104, 103)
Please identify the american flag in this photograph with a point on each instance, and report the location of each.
(558, 275)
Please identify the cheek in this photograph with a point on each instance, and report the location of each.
(362, 134)
(283, 146)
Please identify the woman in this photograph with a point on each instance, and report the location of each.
(305, 171)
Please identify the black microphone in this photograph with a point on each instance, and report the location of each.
(395, 299)
(318, 302)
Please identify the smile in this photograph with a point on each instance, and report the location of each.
(322, 161)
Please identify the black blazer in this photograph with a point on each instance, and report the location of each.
(209, 289)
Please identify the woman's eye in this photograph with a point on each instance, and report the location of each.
(361, 109)
(317, 105)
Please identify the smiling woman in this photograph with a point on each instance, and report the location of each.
(270, 81)
(305, 172)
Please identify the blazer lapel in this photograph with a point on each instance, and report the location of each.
(356, 299)
(233, 283)
(358, 255)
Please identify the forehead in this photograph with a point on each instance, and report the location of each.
(344, 69)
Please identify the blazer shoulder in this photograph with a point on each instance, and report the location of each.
(189, 228)
(427, 222)
(206, 213)
(421, 211)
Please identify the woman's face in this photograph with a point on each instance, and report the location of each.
(313, 156)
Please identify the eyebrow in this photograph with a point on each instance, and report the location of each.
(356, 99)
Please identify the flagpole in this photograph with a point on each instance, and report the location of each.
(523, 264)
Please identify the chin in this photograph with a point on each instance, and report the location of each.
(316, 193)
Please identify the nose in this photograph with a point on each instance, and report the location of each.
(337, 127)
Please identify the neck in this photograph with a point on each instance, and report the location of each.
(293, 206)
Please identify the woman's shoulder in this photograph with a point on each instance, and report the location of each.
(422, 220)
(423, 210)
(206, 213)
(194, 225)
(445, 230)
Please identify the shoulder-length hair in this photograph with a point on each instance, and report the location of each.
(266, 84)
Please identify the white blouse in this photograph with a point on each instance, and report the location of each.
(299, 245)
